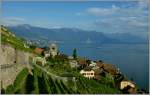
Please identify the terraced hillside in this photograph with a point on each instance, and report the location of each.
(41, 82)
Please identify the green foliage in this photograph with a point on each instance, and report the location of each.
(29, 84)
(10, 89)
(32, 47)
(36, 89)
(47, 87)
(108, 80)
(58, 59)
(52, 85)
(17, 43)
(59, 68)
(20, 78)
(18, 83)
(61, 58)
(91, 86)
(42, 83)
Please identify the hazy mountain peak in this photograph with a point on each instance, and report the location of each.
(72, 35)
(27, 26)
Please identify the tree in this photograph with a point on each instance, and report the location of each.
(74, 53)
(32, 46)
(109, 80)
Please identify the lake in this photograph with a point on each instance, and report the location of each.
(132, 59)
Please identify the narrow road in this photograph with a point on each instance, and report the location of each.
(51, 74)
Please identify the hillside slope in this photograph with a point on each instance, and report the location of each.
(7, 37)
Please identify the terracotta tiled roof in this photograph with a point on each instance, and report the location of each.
(81, 61)
(38, 50)
(88, 68)
(99, 64)
(110, 68)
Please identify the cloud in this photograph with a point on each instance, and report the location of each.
(131, 17)
(123, 24)
(134, 21)
(143, 4)
(13, 21)
(102, 11)
(103, 23)
(138, 8)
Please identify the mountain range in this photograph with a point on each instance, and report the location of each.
(72, 35)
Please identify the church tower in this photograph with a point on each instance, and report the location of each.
(53, 50)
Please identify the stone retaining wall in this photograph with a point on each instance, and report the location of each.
(12, 61)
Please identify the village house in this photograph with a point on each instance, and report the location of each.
(99, 64)
(46, 54)
(93, 64)
(109, 68)
(38, 50)
(124, 84)
(95, 68)
(39, 60)
(73, 63)
(70, 58)
(82, 62)
(25, 45)
(88, 74)
(132, 90)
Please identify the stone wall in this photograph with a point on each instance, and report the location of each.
(8, 75)
(11, 55)
(12, 61)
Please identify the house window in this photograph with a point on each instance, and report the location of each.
(53, 48)
(88, 73)
(84, 74)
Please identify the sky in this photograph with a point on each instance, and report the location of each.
(117, 16)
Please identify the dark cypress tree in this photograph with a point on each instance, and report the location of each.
(74, 53)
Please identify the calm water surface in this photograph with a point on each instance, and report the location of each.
(132, 59)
